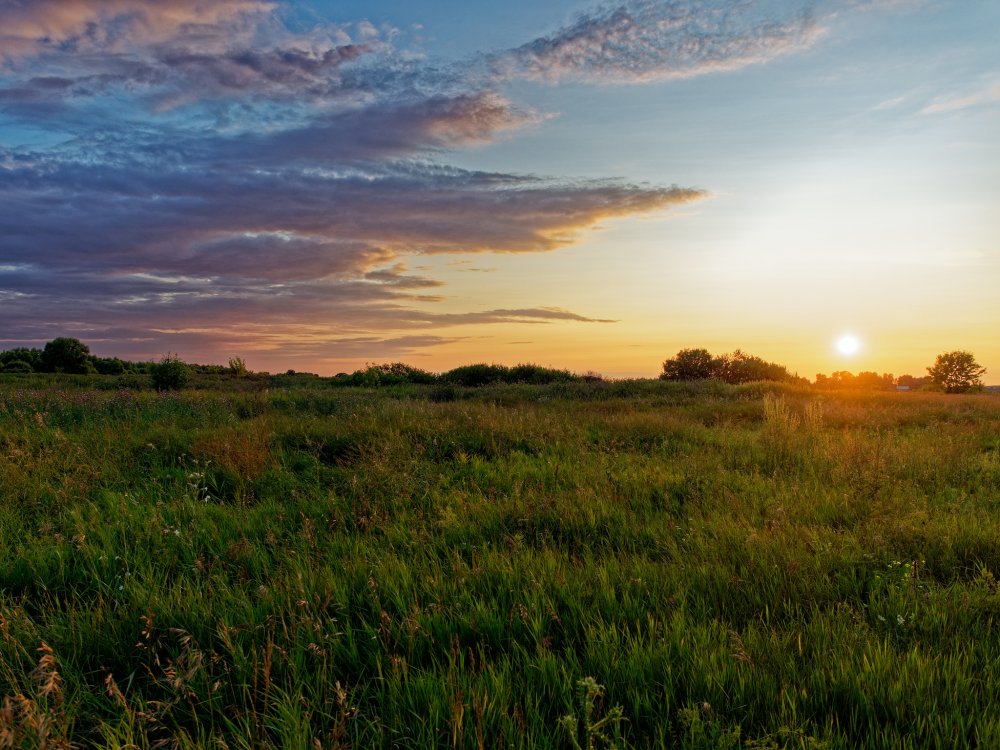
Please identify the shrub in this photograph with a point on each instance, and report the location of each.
(539, 375)
(18, 365)
(238, 367)
(472, 376)
(170, 373)
(395, 373)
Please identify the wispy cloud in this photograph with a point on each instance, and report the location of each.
(646, 40)
(954, 102)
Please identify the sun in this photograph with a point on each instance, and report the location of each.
(848, 344)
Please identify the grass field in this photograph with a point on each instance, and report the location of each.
(644, 564)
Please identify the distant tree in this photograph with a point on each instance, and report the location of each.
(170, 373)
(110, 365)
(32, 356)
(238, 367)
(910, 381)
(740, 367)
(957, 372)
(65, 355)
(690, 364)
(872, 381)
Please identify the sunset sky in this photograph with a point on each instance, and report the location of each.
(319, 184)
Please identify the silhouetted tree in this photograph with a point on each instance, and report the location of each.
(110, 365)
(65, 355)
(32, 356)
(957, 372)
(740, 367)
(690, 364)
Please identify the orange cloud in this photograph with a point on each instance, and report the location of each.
(32, 27)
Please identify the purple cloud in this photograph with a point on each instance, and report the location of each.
(262, 190)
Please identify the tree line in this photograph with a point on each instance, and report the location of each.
(952, 372)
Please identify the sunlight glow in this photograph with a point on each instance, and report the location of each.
(848, 344)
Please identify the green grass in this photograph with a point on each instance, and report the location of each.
(755, 567)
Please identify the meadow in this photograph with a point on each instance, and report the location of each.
(575, 565)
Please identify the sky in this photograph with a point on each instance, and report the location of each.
(317, 185)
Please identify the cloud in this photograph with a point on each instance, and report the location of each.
(39, 26)
(650, 40)
(135, 248)
(226, 184)
(984, 96)
(380, 131)
(185, 52)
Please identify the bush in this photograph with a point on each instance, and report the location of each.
(472, 376)
(395, 373)
(238, 367)
(18, 365)
(170, 373)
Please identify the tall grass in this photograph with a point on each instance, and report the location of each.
(576, 564)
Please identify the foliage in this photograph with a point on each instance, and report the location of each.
(111, 365)
(863, 381)
(238, 367)
(690, 364)
(911, 381)
(65, 355)
(32, 356)
(477, 375)
(956, 372)
(757, 566)
(585, 730)
(738, 367)
(16, 365)
(170, 373)
(395, 373)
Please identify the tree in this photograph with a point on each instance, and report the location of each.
(238, 367)
(65, 355)
(690, 364)
(740, 367)
(32, 356)
(169, 374)
(957, 372)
